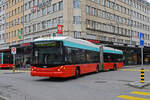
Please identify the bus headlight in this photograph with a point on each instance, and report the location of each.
(58, 70)
(61, 68)
(32, 69)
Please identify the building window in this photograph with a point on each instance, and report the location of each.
(54, 7)
(34, 27)
(25, 18)
(38, 26)
(61, 5)
(93, 11)
(34, 2)
(30, 4)
(54, 22)
(49, 23)
(44, 11)
(77, 34)
(48, 9)
(38, 13)
(29, 28)
(76, 3)
(88, 23)
(26, 29)
(109, 28)
(38, 2)
(44, 25)
(60, 20)
(29, 17)
(88, 9)
(22, 19)
(93, 24)
(98, 13)
(18, 21)
(76, 20)
(26, 6)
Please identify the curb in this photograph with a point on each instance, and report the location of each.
(134, 66)
(139, 85)
(16, 71)
(3, 98)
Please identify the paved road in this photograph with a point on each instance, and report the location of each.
(109, 85)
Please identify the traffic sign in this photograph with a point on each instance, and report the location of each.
(59, 29)
(13, 50)
(141, 39)
(34, 9)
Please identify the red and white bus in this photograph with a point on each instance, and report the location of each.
(6, 60)
(67, 57)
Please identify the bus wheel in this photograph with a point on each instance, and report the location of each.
(77, 72)
(115, 67)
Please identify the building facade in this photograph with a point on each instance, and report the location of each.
(14, 21)
(109, 20)
(2, 23)
(140, 23)
(41, 18)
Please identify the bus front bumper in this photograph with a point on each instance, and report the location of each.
(48, 74)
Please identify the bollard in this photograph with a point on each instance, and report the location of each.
(13, 68)
(142, 75)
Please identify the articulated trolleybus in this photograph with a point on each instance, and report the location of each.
(67, 57)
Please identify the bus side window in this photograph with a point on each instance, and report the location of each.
(109, 58)
(88, 57)
(68, 56)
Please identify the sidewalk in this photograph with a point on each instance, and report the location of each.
(135, 66)
(16, 71)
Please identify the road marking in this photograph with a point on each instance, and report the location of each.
(131, 97)
(145, 70)
(141, 93)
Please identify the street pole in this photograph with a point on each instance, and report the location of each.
(142, 47)
(142, 68)
(142, 56)
(14, 62)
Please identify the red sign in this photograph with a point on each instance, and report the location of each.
(13, 50)
(94, 41)
(34, 9)
(25, 44)
(59, 29)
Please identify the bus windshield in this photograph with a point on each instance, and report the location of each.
(49, 54)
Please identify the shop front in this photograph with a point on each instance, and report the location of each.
(132, 53)
(23, 55)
